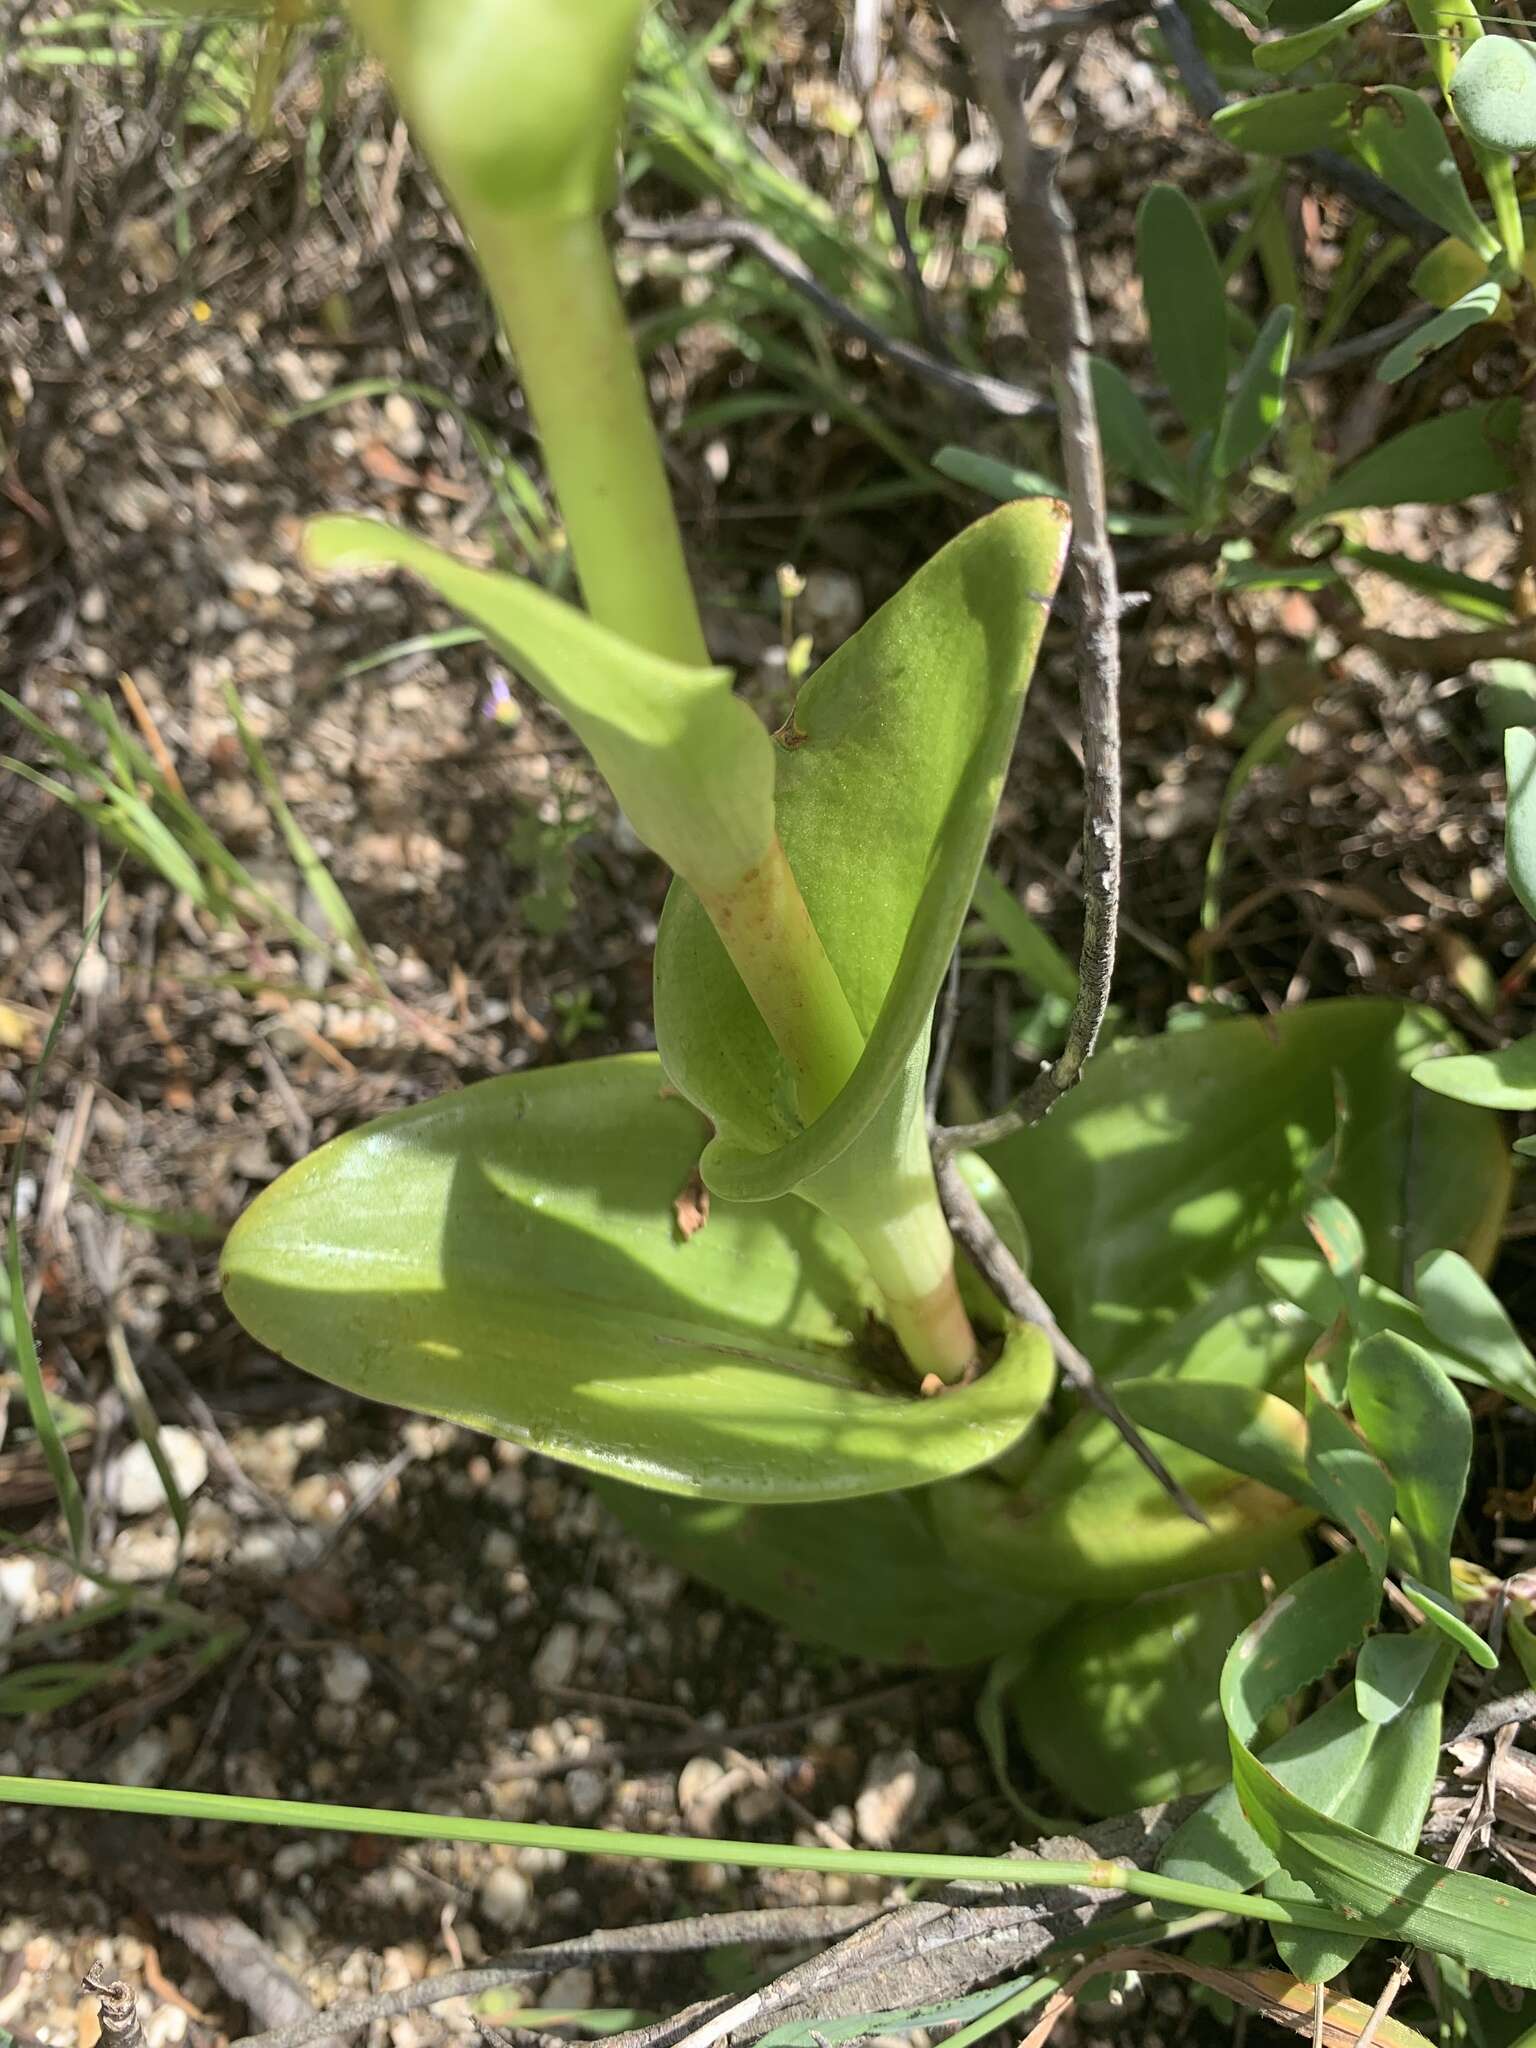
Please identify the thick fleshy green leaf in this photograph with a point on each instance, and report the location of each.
(1186, 304)
(1147, 1195)
(1455, 455)
(1291, 52)
(1335, 1230)
(1118, 1705)
(1306, 1283)
(1190, 1152)
(888, 776)
(1419, 1426)
(1441, 1611)
(1505, 1079)
(1462, 1312)
(1388, 1672)
(1288, 123)
(1399, 137)
(1129, 442)
(869, 1578)
(1390, 1798)
(1319, 1758)
(1493, 93)
(1470, 310)
(691, 765)
(1241, 1427)
(1254, 409)
(1352, 1481)
(508, 1257)
(1520, 820)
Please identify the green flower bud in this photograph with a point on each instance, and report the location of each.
(518, 102)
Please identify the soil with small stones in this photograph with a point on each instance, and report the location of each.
(404, 1613)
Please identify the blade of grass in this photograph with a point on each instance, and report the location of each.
(318, 878)
(1028, 1873)
(28, 1365)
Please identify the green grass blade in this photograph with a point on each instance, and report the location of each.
(28, 1365)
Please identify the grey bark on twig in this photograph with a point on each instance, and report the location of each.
(1044, 248)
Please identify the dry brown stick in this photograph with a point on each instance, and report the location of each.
(1019, 1295)
(1044, 248)
(1013, 401)
(770, 1927)
(119, 2009)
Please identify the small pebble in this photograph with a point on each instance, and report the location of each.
(506, 1898)
(346, 1677)
(555, 1661)
(133, 1481)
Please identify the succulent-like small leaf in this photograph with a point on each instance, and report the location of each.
(1520, 822)
(1130, 444)
(1419, 1425)
(1493, 93)
(1186, 305)
(1254, 409)
(1472, 309)
(1456, 455)
(1291, 52)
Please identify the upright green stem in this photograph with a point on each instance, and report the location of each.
(553, 284)
(554, 287)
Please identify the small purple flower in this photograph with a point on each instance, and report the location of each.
(500, 703)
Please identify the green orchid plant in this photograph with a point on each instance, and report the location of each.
(810, 1400)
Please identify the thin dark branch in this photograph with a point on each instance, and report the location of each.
(773, 1927)
(1045, 250)
(1019, 1295)
(1341, 172)
(1013, 401)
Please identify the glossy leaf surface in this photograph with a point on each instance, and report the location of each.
(1486, 1925)
(869, 1578)
(1147, 1195)
(888, 776)
(1462, 1312)
(508, 1257)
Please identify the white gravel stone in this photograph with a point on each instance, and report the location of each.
(898, 1788)
(346, 1677)
(554, 1662)
(133, 1481)
(506, 1898)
